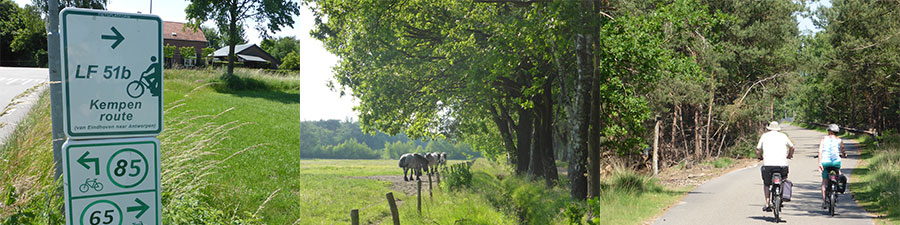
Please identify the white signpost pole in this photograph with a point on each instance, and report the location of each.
(112, 98)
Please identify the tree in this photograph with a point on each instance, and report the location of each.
(208, 55)
(169, 53)
(187, 53)
(22, 35)
(290, 62)
(230, 15)
(858, 82)
(88, 4)
(213, 39)
(9, 23)
(281, 47)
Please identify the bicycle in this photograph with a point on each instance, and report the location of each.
(776, 199)
(89, 184)
(831, 190)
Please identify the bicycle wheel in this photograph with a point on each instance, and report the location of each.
(135, 89)
(98, 186)
(831, 201)
(776, 203)
(83, 188)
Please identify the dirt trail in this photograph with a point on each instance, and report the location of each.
(397, 183)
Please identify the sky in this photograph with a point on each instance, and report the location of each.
(317, 101)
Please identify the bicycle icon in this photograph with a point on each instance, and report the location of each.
(149, 79)
(89, 184)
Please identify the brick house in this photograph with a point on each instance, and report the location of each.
(177, 34)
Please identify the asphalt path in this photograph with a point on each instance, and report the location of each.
(13, 82)
(737, 197)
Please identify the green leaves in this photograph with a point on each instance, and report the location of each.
(851, 69)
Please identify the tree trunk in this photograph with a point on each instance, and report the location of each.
(672, 133)
(709, 120)
(580, 120)
(698, 150)
(523, 135)
(594, 142)
(500, 119)
(233, 37)
(656, 148)
(551, 176)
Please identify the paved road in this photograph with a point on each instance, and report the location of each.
(737, 197)
(14, 81)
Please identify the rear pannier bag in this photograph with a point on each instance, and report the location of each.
(786, 190)
(842, 183)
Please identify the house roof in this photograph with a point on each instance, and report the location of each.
(222, 52)
(251, 58)
(178, 31)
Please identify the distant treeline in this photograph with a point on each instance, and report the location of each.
(335, 139)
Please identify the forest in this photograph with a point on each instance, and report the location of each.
(335, 139)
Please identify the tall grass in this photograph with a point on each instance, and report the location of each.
(186, 143)
(257, 79)
(628, 197)
(28, 190)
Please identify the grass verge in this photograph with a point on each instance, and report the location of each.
(27, 185)
(876, 180)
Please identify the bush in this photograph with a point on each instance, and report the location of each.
(630, 182)
(720, 162)
(290, 62)
(744, 147)
(457, 176)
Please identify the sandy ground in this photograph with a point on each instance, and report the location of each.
(407, 187)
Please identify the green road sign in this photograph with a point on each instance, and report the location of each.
(111, 74)
(112, 181)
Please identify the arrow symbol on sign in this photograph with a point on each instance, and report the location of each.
(142, 207)
(118, 37)
(83, 161)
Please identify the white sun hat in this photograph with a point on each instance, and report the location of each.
(773, 126)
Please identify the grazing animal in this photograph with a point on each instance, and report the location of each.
(415, 162)
(442, 161)
(433, 161)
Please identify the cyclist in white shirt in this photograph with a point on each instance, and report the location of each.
(831, 150)
(776, 149)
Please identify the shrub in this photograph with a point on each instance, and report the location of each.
(457, 176)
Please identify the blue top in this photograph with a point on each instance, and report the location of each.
(831, 149)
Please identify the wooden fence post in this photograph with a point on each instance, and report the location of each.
(419, 197)
(394, 214)
(429, 186)
(354, 217)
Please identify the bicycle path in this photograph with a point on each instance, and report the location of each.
(737, 197)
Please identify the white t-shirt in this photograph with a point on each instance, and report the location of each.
(775, 146)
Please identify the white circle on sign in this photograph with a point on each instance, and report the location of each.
(127, 168)
(101, 212)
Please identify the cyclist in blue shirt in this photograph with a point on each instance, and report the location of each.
(831, 150)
